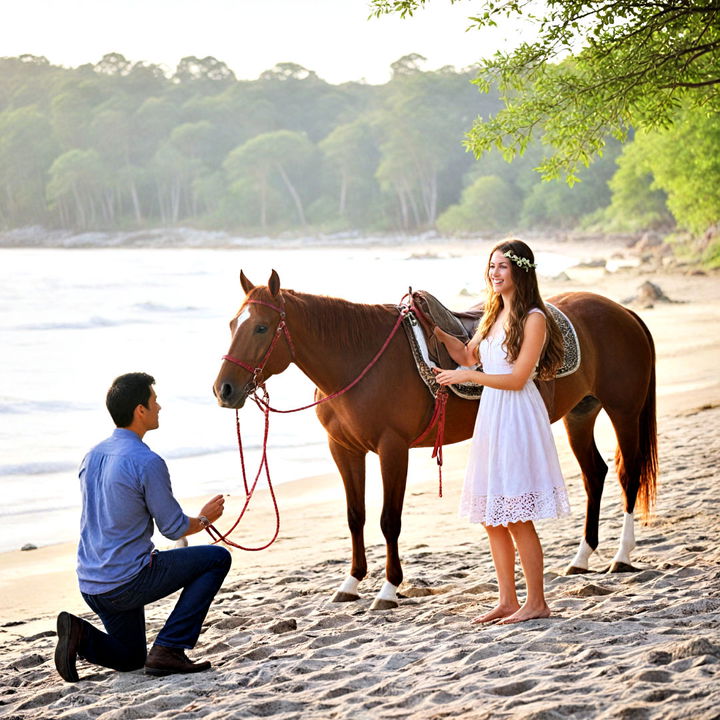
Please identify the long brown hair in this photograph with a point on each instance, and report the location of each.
(526, 297)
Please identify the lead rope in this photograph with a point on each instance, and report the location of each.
(438, 416)
(212, 530)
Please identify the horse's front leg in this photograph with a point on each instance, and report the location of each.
(352, 469)
(393, 466)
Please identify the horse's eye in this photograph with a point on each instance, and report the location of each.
(260, 329)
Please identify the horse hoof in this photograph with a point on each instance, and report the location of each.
(382, 604)
(621, 567)
(341, 596)
(575, 570)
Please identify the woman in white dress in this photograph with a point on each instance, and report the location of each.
(513, 475)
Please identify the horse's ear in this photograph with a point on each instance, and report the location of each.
(274, 283)
(247, 286)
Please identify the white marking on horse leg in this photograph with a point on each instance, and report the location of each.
(348, 591)
(627, 540)
(582, 555)
(350, 586)
(388, 592)
(387, 598)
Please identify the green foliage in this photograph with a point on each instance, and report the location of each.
(350, 157)
(675, 170)
(202, 71)
(685, 162)
(119, 144)
(77, 179)
(627, 64)
(553, 205)
(489, 204)
(559, 205)
(23, 173)
(636, 204)
(711, 255)
(410, 168)
(279, 156)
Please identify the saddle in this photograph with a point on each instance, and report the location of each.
(428, 352)
(462, 325)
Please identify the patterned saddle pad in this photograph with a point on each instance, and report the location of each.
(428, 352)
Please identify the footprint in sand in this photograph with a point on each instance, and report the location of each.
(513, 688)
(41, 700)
(659, 695)
(29, 661)
(589, 590)
(327, 640)
(656, 676)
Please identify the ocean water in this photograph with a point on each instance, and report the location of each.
(73, 319)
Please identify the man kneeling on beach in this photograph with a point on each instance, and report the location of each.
(125, 490)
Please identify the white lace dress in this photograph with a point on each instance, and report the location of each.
(513, 472)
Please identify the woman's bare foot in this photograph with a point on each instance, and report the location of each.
(501, 611)
(526, 613)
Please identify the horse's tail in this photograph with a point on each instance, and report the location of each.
(647, 429)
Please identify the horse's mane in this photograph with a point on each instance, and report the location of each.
(338, 321)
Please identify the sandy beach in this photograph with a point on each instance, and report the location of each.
(632, 646)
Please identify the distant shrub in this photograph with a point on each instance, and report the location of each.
(489, 204)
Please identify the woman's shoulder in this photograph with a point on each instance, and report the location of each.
(535, 310)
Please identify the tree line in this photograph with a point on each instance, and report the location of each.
(121, 144)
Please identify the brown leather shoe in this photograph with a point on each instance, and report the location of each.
(167, 661)
(69, 631)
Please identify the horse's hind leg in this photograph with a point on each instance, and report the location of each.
(580, 423)
(352, 469)
(393, 466)
(628, 464)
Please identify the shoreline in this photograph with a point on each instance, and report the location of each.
(183, 238)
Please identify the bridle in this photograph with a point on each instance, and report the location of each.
(282, 329)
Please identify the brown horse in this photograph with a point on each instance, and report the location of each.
(332, 341)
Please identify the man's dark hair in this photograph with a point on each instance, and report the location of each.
(125, 394)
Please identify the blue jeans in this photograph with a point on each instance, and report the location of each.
(199, 570)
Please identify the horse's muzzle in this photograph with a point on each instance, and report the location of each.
(229, 396)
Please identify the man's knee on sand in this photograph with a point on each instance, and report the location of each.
(224, 558)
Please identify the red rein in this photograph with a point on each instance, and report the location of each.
(438, 417)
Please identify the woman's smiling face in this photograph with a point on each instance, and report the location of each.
(500, 273)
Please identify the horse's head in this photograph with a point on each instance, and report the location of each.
(260, 347)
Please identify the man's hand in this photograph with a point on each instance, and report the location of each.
(214, 508)
(211, 511)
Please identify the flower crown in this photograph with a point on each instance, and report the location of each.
(521, 262)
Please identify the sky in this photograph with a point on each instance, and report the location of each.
(334, 38)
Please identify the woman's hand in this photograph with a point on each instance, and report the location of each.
(461, 353)
(453, 377)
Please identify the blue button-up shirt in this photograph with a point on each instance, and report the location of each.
(125, 487)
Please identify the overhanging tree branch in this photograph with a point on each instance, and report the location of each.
(640, 61)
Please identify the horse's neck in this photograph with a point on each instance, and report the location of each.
(333, 338)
